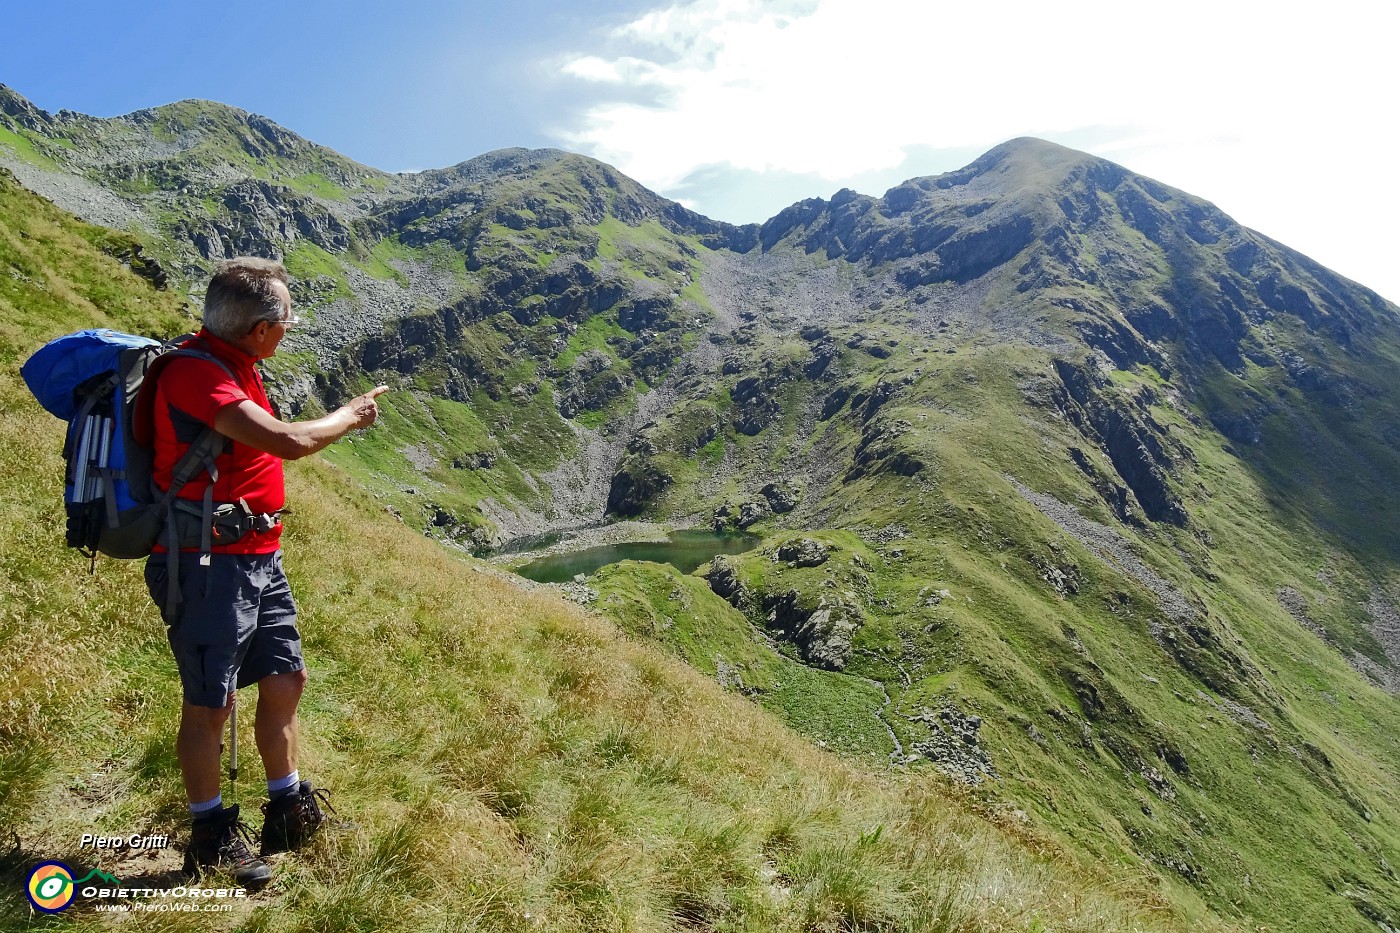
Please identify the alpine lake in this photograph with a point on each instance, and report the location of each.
(685, 550)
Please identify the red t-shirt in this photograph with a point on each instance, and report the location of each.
(189, 393)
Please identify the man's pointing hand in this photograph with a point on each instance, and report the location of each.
(363, 408)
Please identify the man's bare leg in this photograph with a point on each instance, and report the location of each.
(214, 839)
(275, 726)
(197, 747)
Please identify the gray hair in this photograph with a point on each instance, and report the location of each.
(241, 294)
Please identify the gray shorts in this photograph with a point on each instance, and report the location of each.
(237, 622)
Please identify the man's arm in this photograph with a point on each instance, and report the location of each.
(247, 423)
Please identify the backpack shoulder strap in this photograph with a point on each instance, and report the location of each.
(208, 445)
(199, 456)
(143, 422)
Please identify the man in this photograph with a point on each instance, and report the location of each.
(235, 622)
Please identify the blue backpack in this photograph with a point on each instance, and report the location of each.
(93, 380)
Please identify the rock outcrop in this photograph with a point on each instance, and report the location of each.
(1134, 442)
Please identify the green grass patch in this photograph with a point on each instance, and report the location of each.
(317, 185)
(679, 611)
(591, 335)
(24, 148)
(309, 262)
(379, 260)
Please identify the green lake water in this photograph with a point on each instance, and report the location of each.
(685, 551)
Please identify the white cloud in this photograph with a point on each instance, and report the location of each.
(1240, 102)
(592, 68)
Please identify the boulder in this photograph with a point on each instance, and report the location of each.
(753, 511)
(636, 483)
(822, 356)
(834, 402)
(724, 582)
(781, 497)
(822, 633)
(804, 552)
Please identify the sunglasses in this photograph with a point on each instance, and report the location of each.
(287, 322)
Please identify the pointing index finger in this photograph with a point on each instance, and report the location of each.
(376, 391)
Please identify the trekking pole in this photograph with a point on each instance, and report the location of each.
(80, 461)
(233, 742)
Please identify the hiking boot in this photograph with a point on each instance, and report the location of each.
(292, 819)
(221, 842)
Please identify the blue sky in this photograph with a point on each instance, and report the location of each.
(396, 86)
(1280, 114)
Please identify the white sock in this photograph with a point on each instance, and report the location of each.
(208, 807)
(283, 785)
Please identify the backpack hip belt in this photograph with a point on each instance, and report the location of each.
(229, 523)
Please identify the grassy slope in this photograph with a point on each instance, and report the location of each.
(1257, 824)
(1290, 820)
(224, 138)
(509, 762)
(655, 601)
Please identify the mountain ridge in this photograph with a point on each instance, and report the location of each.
(18, 107)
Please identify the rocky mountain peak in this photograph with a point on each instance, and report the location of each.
(15, 105)
(1027, 159)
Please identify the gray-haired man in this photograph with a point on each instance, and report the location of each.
(236, 621)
